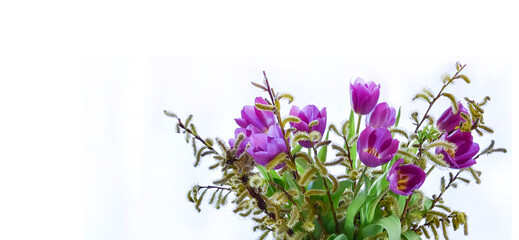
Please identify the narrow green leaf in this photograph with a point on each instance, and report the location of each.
(353, 209)
(274, 174)
(391, 224)
(340, 190)
(373, 206)
(351, 130)
(398, 117)
(264, 172)
(289, 180)
(341, 237)
(411, 235)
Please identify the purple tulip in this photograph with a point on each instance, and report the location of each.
(307, 115)
(258, 118)
(376, 146)
(404, 179)
(247, 132)
(462, 157)
(264, 147)
(383, 116)
(364, 96)
(448, 121)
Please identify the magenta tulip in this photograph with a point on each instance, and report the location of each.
(463, 156)
(383, 116)
(307, 115)
(376, 146)
(404, 179)
(364, 96)
(448, 121)
(258, 118)
(265, 147)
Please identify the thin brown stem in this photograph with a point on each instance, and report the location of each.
(181, 125)
(405, 208)
(278, 116)
(217, 187)
(284, 191)
(437, 97)
(327, 192)
(451, 181)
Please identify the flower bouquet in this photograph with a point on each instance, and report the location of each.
(277, 169)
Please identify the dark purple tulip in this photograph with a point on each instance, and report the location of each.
(307, 115)
(260, 119)
(247, 132)
(264, 147)
(462, 157)
(364, 96)
(404, 179)
(383, 116)
(448, 121)
(376, 147)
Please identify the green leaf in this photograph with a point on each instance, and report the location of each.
(398, 117)
(324, 149)
(391, 224)
(264, 172)
(301, 165)
(353, 209)
(332, 237)
(289, 180)
(411, 235)
(373, 206)
(341, 237)
(340, 190)
(351, 130)
(274, 174)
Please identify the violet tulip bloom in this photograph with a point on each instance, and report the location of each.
(265, 147)
(448, 121)
(247, 132)
(258, 118)
(307, 115)
(364, 96)
(382, 116)
(376, 146)
(463, 156)
(404, 179)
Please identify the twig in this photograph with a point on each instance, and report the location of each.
(405, 207)
(437, 97)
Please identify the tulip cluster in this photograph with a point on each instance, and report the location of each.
(376, 146)
(278, 169)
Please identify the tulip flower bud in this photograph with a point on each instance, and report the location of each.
(307, 115)
(265, 147)
(448, 121)
(466, 149)
(364, 96)
(376, 146)
(258, 118)
(404, 179)
(383, 116)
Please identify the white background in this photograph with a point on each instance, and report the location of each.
(88, 154)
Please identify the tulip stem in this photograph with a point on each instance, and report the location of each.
(358, 123)
(357, 188)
